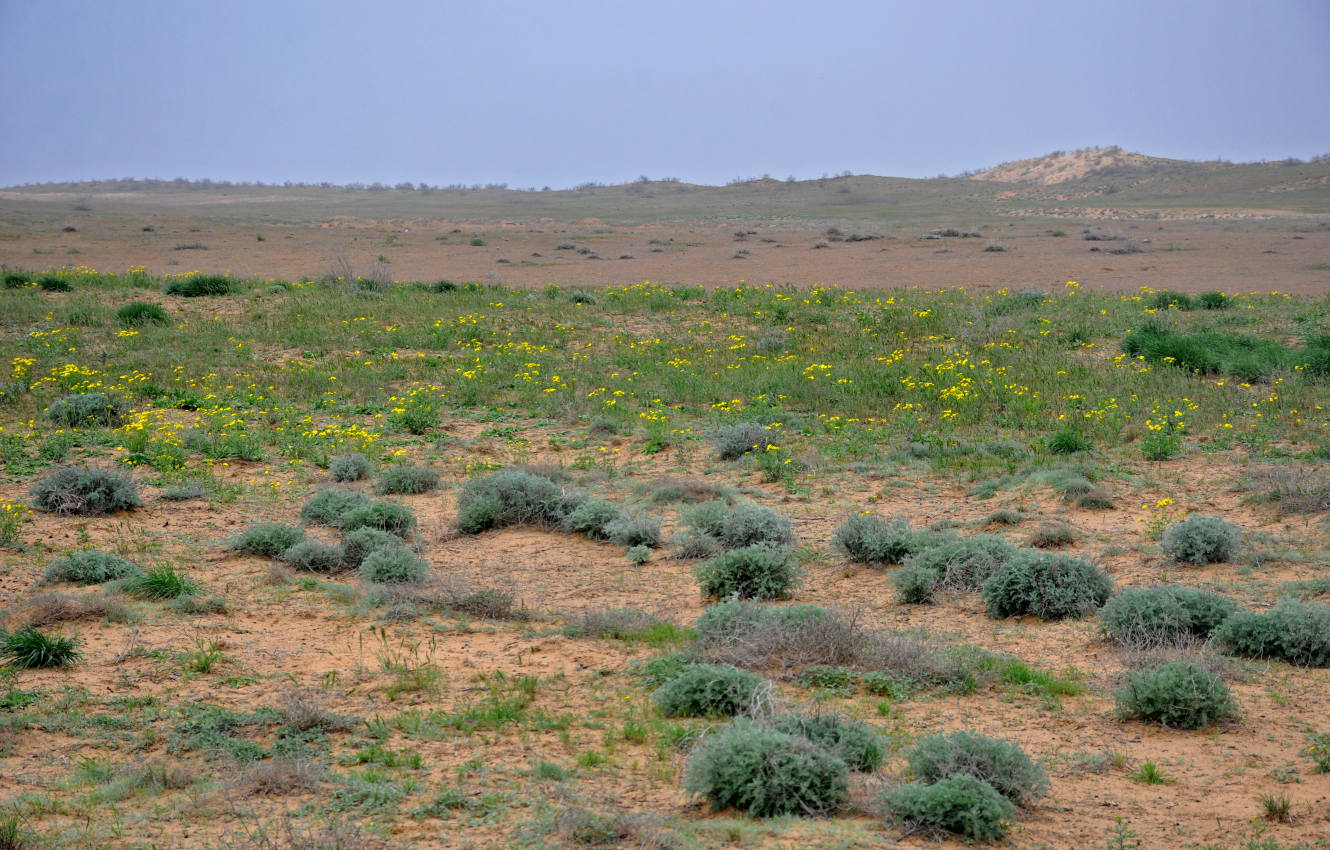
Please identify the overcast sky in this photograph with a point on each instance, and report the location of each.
(558, 92)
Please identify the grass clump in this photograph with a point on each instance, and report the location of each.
(199, 285)
(712, 690)
(734, 441)
(327, 507)
(161, 583)
(385, 516)
(29, 648)
(1201, 540)
(1002, 764)
(1065, 441)
(267, 539)
(1293, 631)
(79, 410)
(408, 479)
(85, 491)
(1249, 358)
(871, 540)
(352, 466)
(315, 556)
(1177, 693)
(140, 313)
(753, 572)
(852, 741)
(962, 804)
(1049, 586)
(1147, 617)
(766, 773)
(393, 565)
(509, 497)
(90, 567)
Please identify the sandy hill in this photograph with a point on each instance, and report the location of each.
(1061, 167)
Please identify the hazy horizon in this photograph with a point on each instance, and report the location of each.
(531, 95)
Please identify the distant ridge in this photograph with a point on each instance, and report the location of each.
(1063, 167)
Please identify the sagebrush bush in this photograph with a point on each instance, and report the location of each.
(269, 539)
(138, 313)
(1201, 540)
(852, 741)
(90, 567)
(591, 518)
(962, 804)
(357, 545)
(86, 491)
(393, 565)
(635, 530)
(352, 466)
(712, 690)
(1002, 764)
(28, 648)
(753, 525)
(1293, 631)
(783, 637)
(915, 584)
(1145, 617)
(735, 441)
(315, 556)
(408, 479)
(1177, 693)
(198, 285)
(1049, 586)
(79, 410)
(963, 564)
(694, 544)
(385, 516)
(509, 497)
(706, 517)
(639, 554)
(872, 540)
(766, 773)
(753, 572)
(327, 507)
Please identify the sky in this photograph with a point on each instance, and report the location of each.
(544, 93)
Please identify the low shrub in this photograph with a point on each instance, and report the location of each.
(198, 285)
(636, 530)
(1052, 535)
(407, 479)
(1177, 693)
(735, 441)
(591, 518)
(775, 637)
(161, 583)
(1002, 764)
(915, 584)
(509, 497)
(90, 567)
(85, 491)
(28, 648)
(872, 540)
(352, 466)
(1049, 586)
(753, 572)
(752, 525)
(1146, 617)
(393, 565)
(1201, 540)
(766, 773)
(712, 690)
(327, 507)
(268, 539)
(315, 556)
(80, 410)
(139, 313)
(852, 741)
(694, 544)
(51, 283)
(963, 564)
(1293, 631)
(385, 516)
(357, 545)
(961, 804)
(706, 517)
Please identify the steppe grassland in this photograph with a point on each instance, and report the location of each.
(243, 396)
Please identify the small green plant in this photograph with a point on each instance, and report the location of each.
(754, 525)
(871, 540)
(200, 285)
(1318, 750)
(735, 441)
(1177, 693)
(203, 657)
(1213, 301)
(915, 584)
(960, 804)
(407, 479)
(81, 410)
(28, 648)
(766, 773)
(140, 313)
(1167, 299)
(1201, 540)
(1121, 836)
(1065, 441)
(85, 490)
(267, 539)
(385, 516)
(753, 572)
(1049, 586)
(352, 466)
(416, 415)
(711, 690)
(161, 583)
(13, 516)
(1161, 444)
(591, 518)
(639, 554)
(1149, 774)
(1276, 807)
(477, 242)
(327, 507)
(1293, 631)
(89, 567)
(393, 565)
